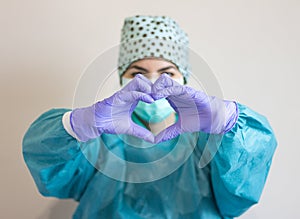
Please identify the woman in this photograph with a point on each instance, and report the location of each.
(136, 154)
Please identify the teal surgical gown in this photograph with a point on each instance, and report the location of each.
(226, 187)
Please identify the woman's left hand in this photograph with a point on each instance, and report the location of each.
(196, 110)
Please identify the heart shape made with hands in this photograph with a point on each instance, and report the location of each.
(196, 111)
(181, 98)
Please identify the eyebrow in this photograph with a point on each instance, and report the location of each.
(145, 70)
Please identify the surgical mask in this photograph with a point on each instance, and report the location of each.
(154, 112)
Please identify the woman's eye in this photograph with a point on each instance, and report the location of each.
(168, 73)
(135, 73)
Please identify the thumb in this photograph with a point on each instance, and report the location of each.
(167, 134)
(140, 132)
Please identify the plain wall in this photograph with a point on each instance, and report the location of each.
(251, 46)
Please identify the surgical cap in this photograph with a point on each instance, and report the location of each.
(153, 36)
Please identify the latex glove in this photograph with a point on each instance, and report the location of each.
(113, 115)
(196, 110)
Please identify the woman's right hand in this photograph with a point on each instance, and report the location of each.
(113, 115)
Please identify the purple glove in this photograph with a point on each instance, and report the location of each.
(113, 115)
(196, 111)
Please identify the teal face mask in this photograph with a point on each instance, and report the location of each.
(154, 112)
(157, 111)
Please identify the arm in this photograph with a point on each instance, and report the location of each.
(57, 160)
(241, 165)
(54, 157)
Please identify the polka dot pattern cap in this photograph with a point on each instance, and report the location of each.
(153, 36)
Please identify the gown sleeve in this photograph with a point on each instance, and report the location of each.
(54, 158)
(240, 167)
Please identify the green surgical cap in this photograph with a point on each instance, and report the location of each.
(156, 37)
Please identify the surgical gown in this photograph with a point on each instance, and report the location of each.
(230, 182)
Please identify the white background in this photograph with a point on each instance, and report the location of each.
(251, 46)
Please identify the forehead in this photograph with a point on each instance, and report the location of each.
(152, 63)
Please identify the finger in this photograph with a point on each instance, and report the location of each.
(169, 91)
(130, 128)
(140, 132)
(142, 77)
(135, 96)
(164, 81)
(139, 83)
(167, 134)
